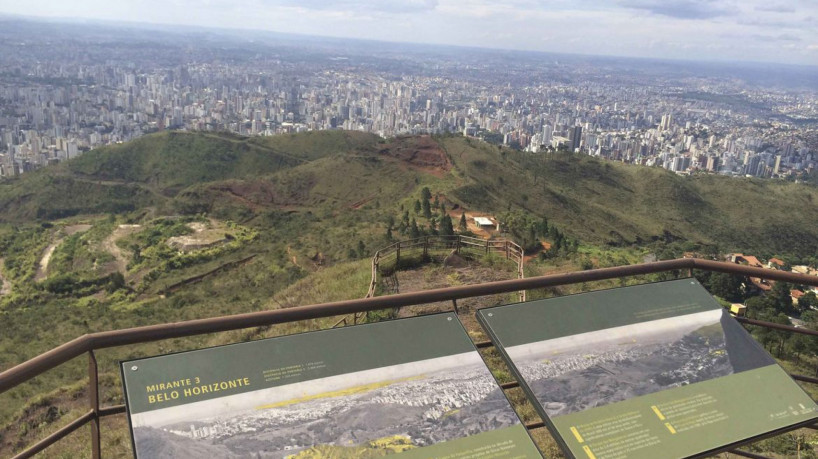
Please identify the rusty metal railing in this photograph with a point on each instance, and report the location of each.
(89, 343)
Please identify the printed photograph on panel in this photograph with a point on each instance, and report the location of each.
(597, 368)
(369, 413)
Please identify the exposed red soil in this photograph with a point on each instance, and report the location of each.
(420, 153)
(256, 193)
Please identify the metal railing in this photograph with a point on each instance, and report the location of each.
(89, 343)
(456, 243)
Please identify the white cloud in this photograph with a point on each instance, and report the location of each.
(690, 29)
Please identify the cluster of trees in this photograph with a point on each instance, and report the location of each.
(775, 306)
(528, 231)
(438, 221)
(71, 284)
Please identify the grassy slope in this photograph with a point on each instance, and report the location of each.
(598, 201)
(323, 192)
(145, 172)
(606, 202)
(237, 292)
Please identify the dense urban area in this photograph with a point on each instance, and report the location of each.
(216, 173)
(75, 88)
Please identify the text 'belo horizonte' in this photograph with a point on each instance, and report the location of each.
(166, 391)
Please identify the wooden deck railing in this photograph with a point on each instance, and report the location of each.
(426, 244)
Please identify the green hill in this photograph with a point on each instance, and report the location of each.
(177, 226)
(599, 202)
(612, 203)
(151, 170)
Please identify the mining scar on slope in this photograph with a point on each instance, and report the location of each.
(579, 372)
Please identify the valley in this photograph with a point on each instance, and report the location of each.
(178, 226)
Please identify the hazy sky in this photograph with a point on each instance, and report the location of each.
(753, 30)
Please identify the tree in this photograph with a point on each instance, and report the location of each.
(425, 193)
(725, 286)
(446, 227)
(361, 249)
(116, 281)
(808, 301)
(543, 230)
(780, 297)
(427, 211)
(414, 231)
(436, 204)
(463, 225)
(799, 343)
(417, 207)
(522, 227)
(782, 336)
(758, 307)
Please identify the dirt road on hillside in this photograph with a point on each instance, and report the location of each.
(109, 245)
(5, 285)
(42, 267)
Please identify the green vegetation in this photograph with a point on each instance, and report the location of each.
(375, 448)
(292, 220)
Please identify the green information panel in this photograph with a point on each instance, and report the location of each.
(656, 370)
(416, 386)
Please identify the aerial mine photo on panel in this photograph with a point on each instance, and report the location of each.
(597, 368)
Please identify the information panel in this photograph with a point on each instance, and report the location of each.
(656, 370)
(416, 386)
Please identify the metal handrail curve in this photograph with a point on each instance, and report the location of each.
(88, 343)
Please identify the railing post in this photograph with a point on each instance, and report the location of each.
(397, 257)
(454, 303)
(425, 246)
(487, 246)
(93, 399)
(457, 246)
(506, 250)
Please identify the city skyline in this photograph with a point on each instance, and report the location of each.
(68, 88)
(724, 31)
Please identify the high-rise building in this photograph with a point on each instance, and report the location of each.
(666, 122)
(574, 137)
(547, 132)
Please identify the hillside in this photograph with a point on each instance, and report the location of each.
(176, 226)
(605, 202)
(598, 202)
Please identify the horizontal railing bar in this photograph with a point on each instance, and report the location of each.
(483, 344)
(534, 425)
(509, 385)
(98, 340)
(789, 328)
(37, 365)
(111, 410)
(741, 453)
(808, 379)
(56, 436)
(749, 271)
(76, 347)
(44, 362)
